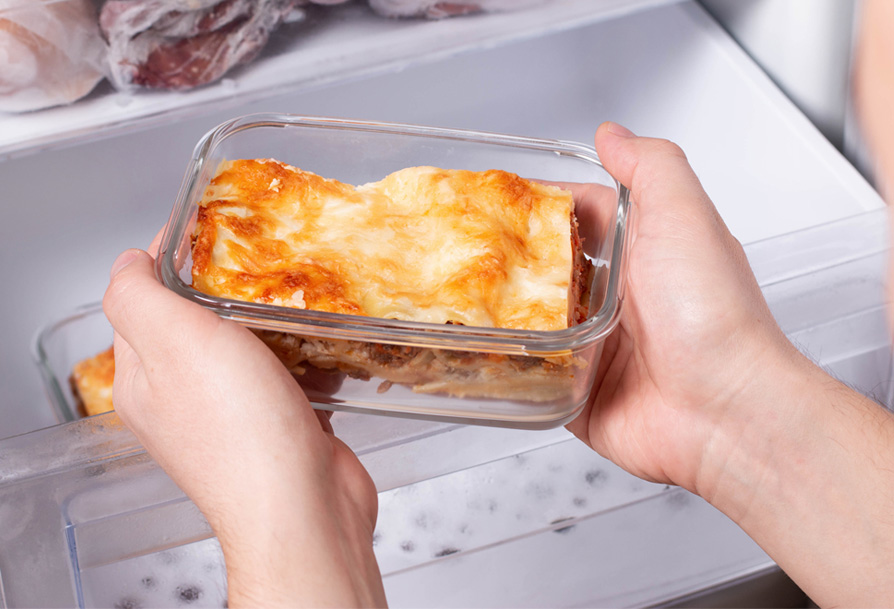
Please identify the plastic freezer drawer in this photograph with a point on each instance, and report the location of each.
(86, 518)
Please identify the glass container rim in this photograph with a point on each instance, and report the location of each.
(40, 356)
(371, 329)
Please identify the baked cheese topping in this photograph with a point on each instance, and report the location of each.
(91, 380)
(424, 244)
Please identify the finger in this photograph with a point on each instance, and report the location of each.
(129, 384)
(656, 171)
(126, 360)
(174, 338)
(324, 417)
(145, 313)
(156, 243)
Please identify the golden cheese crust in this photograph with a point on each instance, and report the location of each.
(91, 383)
(424, 244)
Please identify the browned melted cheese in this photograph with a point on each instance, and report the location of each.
(91, 380)
(424, 244)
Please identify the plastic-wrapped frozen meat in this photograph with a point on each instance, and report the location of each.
(438, 9)
(50, 53)
(180, 44)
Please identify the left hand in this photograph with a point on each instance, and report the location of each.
(293, 508)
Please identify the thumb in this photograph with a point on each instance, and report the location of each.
(656, 171)
(148, 316)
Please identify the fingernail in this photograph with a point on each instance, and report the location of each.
(620, 130)
(123, 260)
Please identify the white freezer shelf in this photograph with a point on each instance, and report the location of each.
(333, 44)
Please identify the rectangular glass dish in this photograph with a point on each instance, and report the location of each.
(359, 152)
(62, 343)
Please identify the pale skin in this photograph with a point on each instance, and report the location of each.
(292, 507)
(698, 387)
(873, 84)
(873, 87)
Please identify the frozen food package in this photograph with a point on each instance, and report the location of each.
(438, 9)
(181, 44)
(51, 53)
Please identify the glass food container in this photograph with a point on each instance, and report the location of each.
(61, 344)
(358, 152)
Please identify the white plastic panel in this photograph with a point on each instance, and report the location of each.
(804, 45)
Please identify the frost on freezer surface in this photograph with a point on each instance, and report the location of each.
(438, 9)
(50, 54)
(54, 52)
(551, 488)
(180, 44)
(191, 575)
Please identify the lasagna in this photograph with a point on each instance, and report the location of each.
(91, 383)
(485, 249)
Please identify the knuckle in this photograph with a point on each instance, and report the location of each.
(669, 148)
(118, 300)
(115, 297)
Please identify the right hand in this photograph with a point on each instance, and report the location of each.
(699, 387)
(678, 373)
(873, 91)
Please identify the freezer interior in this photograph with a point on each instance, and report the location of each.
(666, 70)
(87, 519)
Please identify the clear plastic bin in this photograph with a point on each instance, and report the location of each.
(60, 345)
(87, 519)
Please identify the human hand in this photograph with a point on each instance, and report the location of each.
(695, 330)
(293, 508)
(699, 387)
(873, 88)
